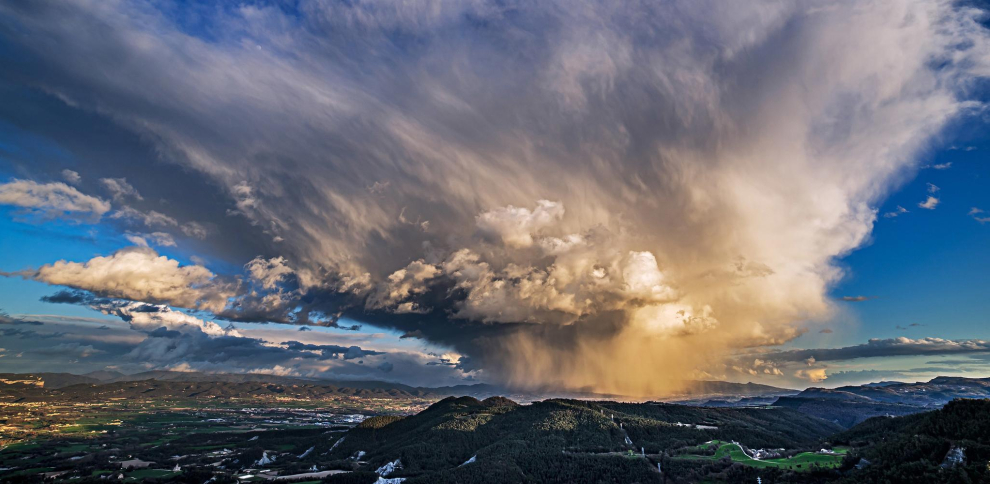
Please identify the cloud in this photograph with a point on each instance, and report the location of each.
(896, 212)
(269, 273)
(977, 215)
(826, 331)
(151, 317)
(140, 274)
(150, 218)
(332, 351)
(876, 348)
(160, 239)
(68, 297)
(759, 367)
(942, 166)
(517, 225)
(119, 189)
(857, 298)
(29, 333)
(195, 230)
(650, 122)
(930, 203)
(70, 350)
(413, 334)
(6, 320)
(161, 338)
(858, 377)
(402, 284)
(814, 375)
(71, 176)
(52, 200)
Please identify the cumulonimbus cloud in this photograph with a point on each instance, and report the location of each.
(581, 195)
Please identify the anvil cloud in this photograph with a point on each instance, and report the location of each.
(571, 194)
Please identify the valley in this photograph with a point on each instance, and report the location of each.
(236, 429)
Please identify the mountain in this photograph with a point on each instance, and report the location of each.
(697, 393)
(883, 383)
(50, 380)
(758, 401)
(172, 390)
(951, 444)
(104, 375)
(850, 405)
(845, 412)
(706, 387)
(495, 440)
(936, 392)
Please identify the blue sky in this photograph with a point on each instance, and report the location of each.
(491, 191)
(927, 266)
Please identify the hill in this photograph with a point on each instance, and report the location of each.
(495, 440)
(934, 393)
(172, 390)
(50, 380)
(172, 384)
(851, 405)
(845, 412)
(951, 444)
(703, 388)
(698, 392)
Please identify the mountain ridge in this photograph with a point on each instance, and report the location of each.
(851, 405)
(699, 389)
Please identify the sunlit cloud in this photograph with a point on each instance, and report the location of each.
(573, 191)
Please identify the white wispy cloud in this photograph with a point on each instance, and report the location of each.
(71, 176)
(979, 215)
(52, 199)
(120, 189)
(896, 212)
(150, 218)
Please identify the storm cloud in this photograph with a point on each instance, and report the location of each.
(572, 194)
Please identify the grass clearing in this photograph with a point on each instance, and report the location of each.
(800, 462)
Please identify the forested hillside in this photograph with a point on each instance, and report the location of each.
(947, 445)
(561, 440)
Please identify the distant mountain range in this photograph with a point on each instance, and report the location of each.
(850, 405)
(846, 406)
(698, 391)
(164, 384)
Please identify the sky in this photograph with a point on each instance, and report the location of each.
(596, 196)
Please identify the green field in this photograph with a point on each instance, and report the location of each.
(802, 461)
